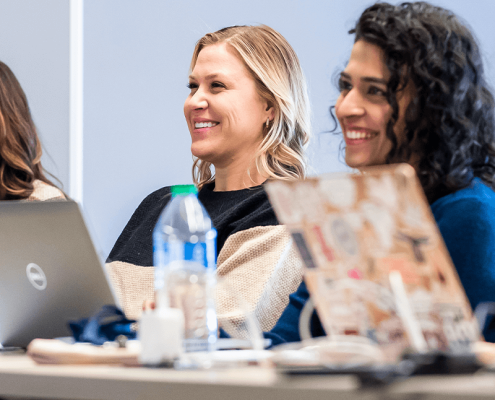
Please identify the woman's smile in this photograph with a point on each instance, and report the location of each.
(203, 125)
(354, 136)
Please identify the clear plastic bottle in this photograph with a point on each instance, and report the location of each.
(184, 253)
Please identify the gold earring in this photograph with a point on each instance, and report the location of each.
(267, 122)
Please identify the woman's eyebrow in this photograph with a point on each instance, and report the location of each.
(211, 76)
(369, 79)
(207, 77)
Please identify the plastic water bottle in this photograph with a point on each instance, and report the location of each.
(184, 255)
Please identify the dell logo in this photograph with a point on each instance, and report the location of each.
(36, 276)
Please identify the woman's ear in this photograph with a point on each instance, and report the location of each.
(271, 110)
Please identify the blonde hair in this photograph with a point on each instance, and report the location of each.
(280, 81)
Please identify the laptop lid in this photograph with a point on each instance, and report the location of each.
(50, 272)
(376, 263)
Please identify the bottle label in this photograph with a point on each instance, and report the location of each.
(201, 253)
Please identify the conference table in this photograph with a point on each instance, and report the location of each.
(21, 378)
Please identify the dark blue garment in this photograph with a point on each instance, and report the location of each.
(466, 220)
(108, 323)
(287, 327)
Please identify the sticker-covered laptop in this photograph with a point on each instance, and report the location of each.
(373, 254)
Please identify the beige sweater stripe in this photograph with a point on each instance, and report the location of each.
(259, 267)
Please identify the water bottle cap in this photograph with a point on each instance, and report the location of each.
(182, 190)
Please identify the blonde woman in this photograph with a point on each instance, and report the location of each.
(248, 116)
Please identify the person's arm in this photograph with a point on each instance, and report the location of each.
(132, 283)
(257, 268)
(468, 229)
(287, 327)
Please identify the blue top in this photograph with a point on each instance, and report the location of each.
(466, 220)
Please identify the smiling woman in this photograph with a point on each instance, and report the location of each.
(277, 116)
(248, 116)
(363, 109)
(226, 116)
(414, 91)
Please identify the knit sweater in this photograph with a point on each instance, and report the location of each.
(43, 192)
(466, 220)
(256, 257)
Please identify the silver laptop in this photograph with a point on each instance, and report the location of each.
(50, 272)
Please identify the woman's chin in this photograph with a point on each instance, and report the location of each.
(363, 160)
(357, 162)
(202, 154)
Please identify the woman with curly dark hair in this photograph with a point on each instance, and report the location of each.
(414, 91)
(21, 174)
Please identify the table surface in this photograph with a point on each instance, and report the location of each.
(20, 377)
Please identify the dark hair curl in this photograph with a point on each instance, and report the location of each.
(20, 148)
(450, 121)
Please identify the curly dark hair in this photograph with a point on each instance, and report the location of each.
(450, 122)
(20, 148)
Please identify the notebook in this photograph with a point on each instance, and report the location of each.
(50, 271)
(375, 262)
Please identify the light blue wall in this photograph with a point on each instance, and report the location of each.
(137, 56)
(136, 59)
(136, 67)
(34, 43)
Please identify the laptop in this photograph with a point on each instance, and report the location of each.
(375, 262)
(50, 272)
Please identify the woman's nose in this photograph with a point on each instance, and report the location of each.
(351, 105)
(198, 100)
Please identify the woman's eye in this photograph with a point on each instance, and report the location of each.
(217, 85)
(192, 86)
(374, 91)
(344, 86)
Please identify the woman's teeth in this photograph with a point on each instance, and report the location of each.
(359, 135)
(205, 124)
